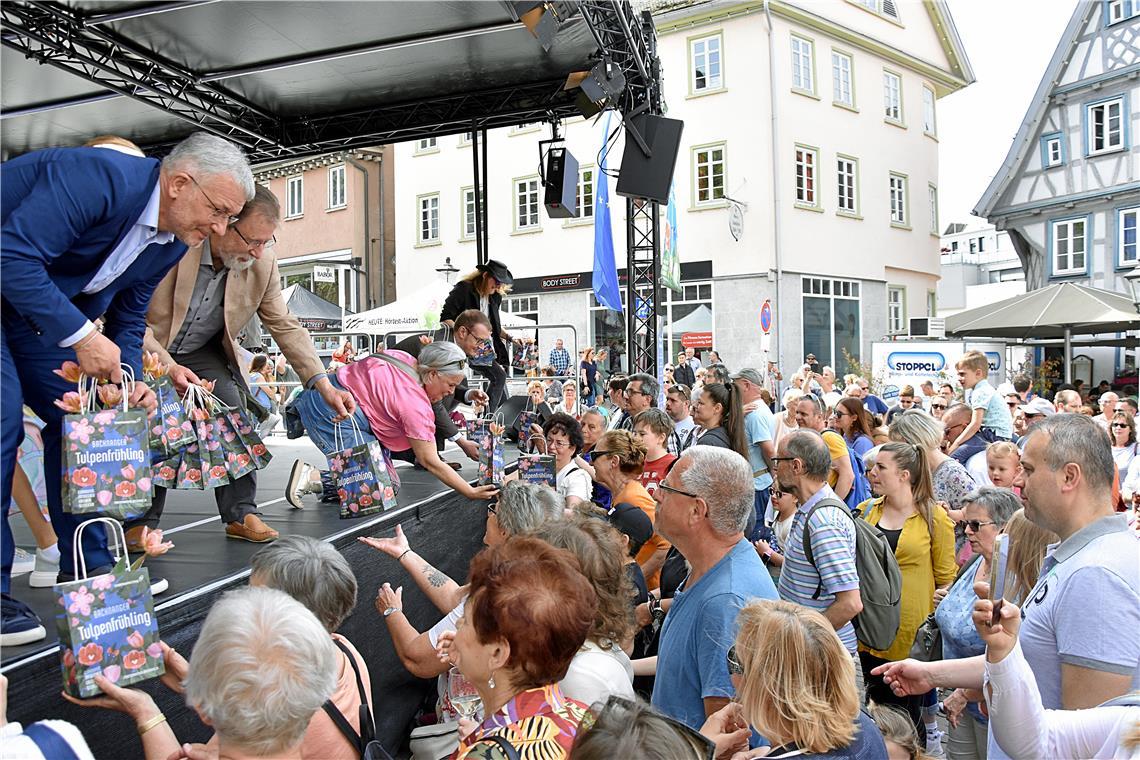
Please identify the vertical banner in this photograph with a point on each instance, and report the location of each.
(670, 258)
(606, 288)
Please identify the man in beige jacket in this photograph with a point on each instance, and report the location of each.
(194, 315)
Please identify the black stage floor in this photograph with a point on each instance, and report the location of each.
(443, 527)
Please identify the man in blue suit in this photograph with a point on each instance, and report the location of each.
(88, 233)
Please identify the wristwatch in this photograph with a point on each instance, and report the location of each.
(390, 610)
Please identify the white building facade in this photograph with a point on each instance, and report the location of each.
(838, 191)
(1068, 193)
(979, 266)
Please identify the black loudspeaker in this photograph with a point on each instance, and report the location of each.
(561, 197)
(650, 177)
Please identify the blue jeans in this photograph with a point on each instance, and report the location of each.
(317, 417)
(760, 505)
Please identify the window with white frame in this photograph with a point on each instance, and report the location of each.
(427, 145)
(1105, 125)
(896, 310)
(898, 200)
(1069, 246)
(429, 218)
(1054, 152)
(705, 56)
(527, 204)
(892, 96)
(708, 174)
(887, 8)
(806, 161)
(803, 65)
(468, 205)
(465, 139)
(929, 120)
(1126, 236)
(586, 193)
(847, 185)
(843, 91)
(932, 199)
(294, 196)
(336, 187)
(1119, 10)
(831, 320)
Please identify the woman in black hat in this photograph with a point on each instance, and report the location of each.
(483, 289)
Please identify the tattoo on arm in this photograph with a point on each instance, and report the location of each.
(435, 577)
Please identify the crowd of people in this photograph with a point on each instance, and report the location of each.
(717, 570)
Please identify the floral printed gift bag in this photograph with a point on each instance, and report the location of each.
(106, 452)
(488, 435)
(107, 624)
(361, 475)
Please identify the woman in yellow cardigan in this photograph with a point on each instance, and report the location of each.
(922, 536)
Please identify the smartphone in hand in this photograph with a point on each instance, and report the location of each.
(999, 567)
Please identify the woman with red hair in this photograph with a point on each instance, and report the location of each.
(528, 613)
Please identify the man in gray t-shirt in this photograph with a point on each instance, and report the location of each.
(1079, 623)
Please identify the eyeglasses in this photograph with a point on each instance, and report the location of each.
(1012, 404)
(458, 364)
(1121, 425)
(937, 406)
(492, 508)
(272, 241)
(734, 666)
(677, 491)
(976, 525)
(681, 388)
(782, 459)
(218, 213)
(630, 391)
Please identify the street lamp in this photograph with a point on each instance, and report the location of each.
(447, 269)
(1133, 280)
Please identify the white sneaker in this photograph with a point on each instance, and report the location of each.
(158, 585)
(46, 570)
(300, 483)
(934, 744)
(23, 562)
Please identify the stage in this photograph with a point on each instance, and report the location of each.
(441, 526)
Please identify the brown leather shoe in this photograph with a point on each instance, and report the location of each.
(251, 529)
(134, 540)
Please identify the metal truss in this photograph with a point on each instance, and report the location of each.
(56, 35)
(628, 41)
(642, 291)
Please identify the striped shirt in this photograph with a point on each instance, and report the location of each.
(833, 549)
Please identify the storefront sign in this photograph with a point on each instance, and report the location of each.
(324, 273)
(565, 282)
(696, 340)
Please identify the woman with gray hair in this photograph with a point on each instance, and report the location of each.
(987, 511)
(263, 666)
(394, 393)
(952, 482)
(521, 509)
(318, 576)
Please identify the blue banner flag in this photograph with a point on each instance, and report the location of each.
(606, 289)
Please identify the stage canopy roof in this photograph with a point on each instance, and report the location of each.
(289, 78)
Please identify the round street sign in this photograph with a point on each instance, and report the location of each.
(766, 317)
(736, 222)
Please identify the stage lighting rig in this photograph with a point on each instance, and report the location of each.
(543, 19)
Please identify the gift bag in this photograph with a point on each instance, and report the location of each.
(239, 462)
(484, 354)
(360, 472)
(488, 435)
(106, 458)
(189, 475)
(170, 429)
(527, 417)
(107, 624)
(537, 469)
(255, 448)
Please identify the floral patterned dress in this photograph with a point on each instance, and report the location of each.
(540, 723)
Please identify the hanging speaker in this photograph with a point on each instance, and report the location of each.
(645, 176)
(561, 198)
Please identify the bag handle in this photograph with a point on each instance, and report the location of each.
(400, 364)
(338, 437)
(78, 560)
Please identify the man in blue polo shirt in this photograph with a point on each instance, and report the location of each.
(702, 507)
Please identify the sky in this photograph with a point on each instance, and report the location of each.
(1009, 44)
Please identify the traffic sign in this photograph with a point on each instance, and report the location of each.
(766, 317)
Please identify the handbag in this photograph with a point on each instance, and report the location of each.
(106, 624)
(435, 742)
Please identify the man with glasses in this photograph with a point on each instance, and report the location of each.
(971, 454)
(88, 233)
(640, 394)
(703, 505)
(906, 402)
(197, 310)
